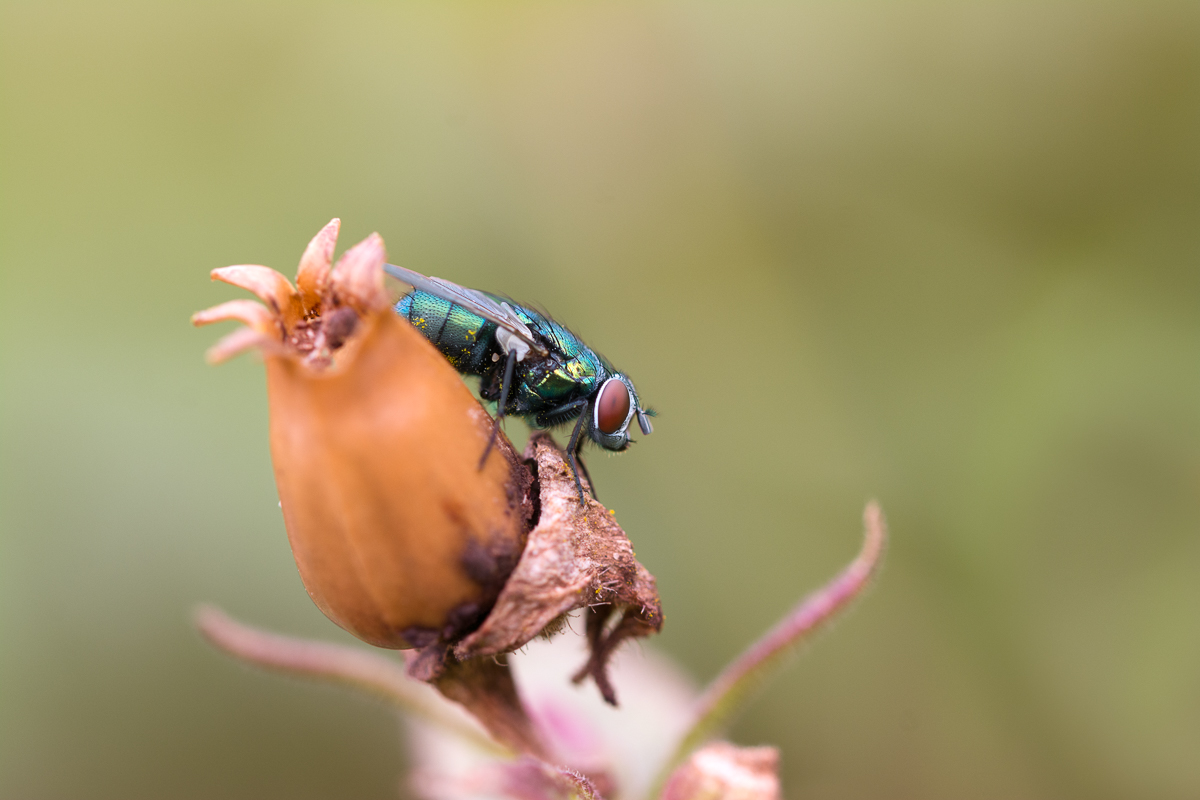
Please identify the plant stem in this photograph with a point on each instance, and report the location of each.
(727, 693)
(335, 663)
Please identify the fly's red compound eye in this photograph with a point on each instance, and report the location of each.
(612, 407)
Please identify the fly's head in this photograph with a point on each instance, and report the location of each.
(615, 406)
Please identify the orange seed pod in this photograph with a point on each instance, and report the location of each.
(399, 537)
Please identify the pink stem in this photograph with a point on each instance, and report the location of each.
(335, 663)
(727, 692)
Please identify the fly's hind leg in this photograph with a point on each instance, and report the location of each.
(509, 366)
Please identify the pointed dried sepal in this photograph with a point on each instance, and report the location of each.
(248, 312)
(312, 277)
(722, 771)
(357, 279)
(267, 285)
(240, 341)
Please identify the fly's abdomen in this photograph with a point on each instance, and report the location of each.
(465, 339)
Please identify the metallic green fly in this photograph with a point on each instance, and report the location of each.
(532, 366)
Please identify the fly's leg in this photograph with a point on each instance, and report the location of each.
(558, 414)
(509, 366)
(583, 468)
(573, 447)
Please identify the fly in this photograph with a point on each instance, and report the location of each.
(533, 367)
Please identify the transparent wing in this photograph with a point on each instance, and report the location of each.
(470, 299)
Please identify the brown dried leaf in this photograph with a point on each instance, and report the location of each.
(576, 557)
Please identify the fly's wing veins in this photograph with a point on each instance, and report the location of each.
(473, 301)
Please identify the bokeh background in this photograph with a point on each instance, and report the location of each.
(941, 254)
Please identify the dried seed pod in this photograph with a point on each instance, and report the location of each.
(398, 536)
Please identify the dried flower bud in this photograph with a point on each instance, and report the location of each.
(398, 535)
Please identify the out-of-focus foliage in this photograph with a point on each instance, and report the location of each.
(943, 255)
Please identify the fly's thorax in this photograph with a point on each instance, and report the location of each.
(555, 381)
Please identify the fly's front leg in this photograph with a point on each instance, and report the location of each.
(509, 366)
(573, 447)
(554, 417)
(587, 475)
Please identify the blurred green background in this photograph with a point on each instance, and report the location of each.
(945, 256)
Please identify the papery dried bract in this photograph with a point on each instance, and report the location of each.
(574, 558)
